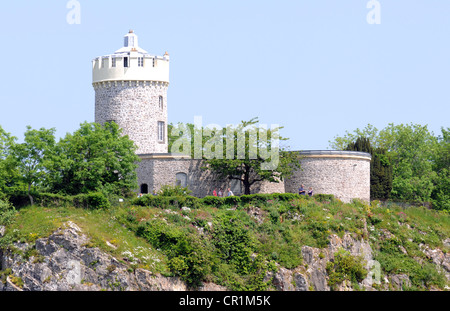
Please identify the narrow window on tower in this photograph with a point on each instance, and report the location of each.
(161, 132)
(140, 62)
(113, 62)
(125, 61)
(161, 102)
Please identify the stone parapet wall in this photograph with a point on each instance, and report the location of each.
(345, 174)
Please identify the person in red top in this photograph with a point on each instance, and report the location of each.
(215, 193)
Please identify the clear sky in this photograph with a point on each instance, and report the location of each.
(316, 67)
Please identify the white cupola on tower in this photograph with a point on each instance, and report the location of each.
(130, 40)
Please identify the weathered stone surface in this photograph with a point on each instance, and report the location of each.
(65, 263)
(343, 175)
(399, 281)
(162, 171)
(135, 107)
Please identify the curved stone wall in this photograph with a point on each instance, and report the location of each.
(135, 106)
(345, 174)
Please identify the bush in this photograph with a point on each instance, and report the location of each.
(92, 200)
(170, 191)
(212, 201)
(189, 257)
(6, 212)
(345, 267)
(52, 200)
(167, 201)
(321, 197)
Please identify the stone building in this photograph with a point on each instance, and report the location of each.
(131, 89)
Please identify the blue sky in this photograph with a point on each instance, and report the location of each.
(318, 68)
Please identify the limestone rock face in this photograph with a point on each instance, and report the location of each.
(65, 262)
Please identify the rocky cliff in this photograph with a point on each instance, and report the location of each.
(65, 262)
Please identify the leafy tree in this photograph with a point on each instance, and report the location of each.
(95, 158)
(341, 142)
(441, 165)
(246, 153)
(8, 171)
(33, 155)
(411, 149)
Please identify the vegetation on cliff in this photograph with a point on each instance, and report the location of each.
(240, 242)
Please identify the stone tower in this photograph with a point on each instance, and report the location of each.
(131, 90)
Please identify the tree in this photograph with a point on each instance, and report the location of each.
(341, 142)
(95, 158)
(246, 153)
(8, 171)
(410, 149)
(32, 156)
(441, 165)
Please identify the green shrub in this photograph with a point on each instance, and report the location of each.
(93, 200)
(213, 201)
(170, 191)
(320, 197)
(345, 267)
(167, 201)
(6, 213)
(53, 200)
(393, 261)
(190, 257)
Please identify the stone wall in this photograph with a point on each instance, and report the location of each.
(158, 170)
(135, 107)
(345, 174)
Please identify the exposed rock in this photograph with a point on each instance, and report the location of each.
(282, 280)
(399, 281)
(65, 263)
(439, 258)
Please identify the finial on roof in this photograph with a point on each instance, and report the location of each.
(131, 31)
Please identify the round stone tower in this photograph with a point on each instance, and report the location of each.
(131, 90)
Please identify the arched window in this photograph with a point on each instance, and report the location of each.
(144, 188)
(181, 180)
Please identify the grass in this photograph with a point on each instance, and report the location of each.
(187, 243)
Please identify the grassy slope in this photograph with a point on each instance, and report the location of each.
(229, 246)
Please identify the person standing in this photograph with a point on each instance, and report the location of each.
(310, 191)
(301, 190)
(215, 192)
(230, 193)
